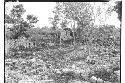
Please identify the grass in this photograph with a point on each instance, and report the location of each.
(43, 63)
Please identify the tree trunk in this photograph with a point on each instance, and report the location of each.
(74, 34)
(60, 40)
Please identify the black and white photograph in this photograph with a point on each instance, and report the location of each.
(62, 42)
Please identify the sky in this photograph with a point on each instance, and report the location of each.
(43, 10)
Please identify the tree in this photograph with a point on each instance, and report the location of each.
(78, 11)
(32, 19)
(59, 20)
(19, 26)
(54, 22)
(118, 9)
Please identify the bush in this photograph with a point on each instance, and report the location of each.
(105, 75)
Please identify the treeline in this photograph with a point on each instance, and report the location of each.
(85, 33)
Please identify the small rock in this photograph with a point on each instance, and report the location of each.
(117, 72)
(77, 81)
(100, 80)
(107, 82)
(93, 79)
